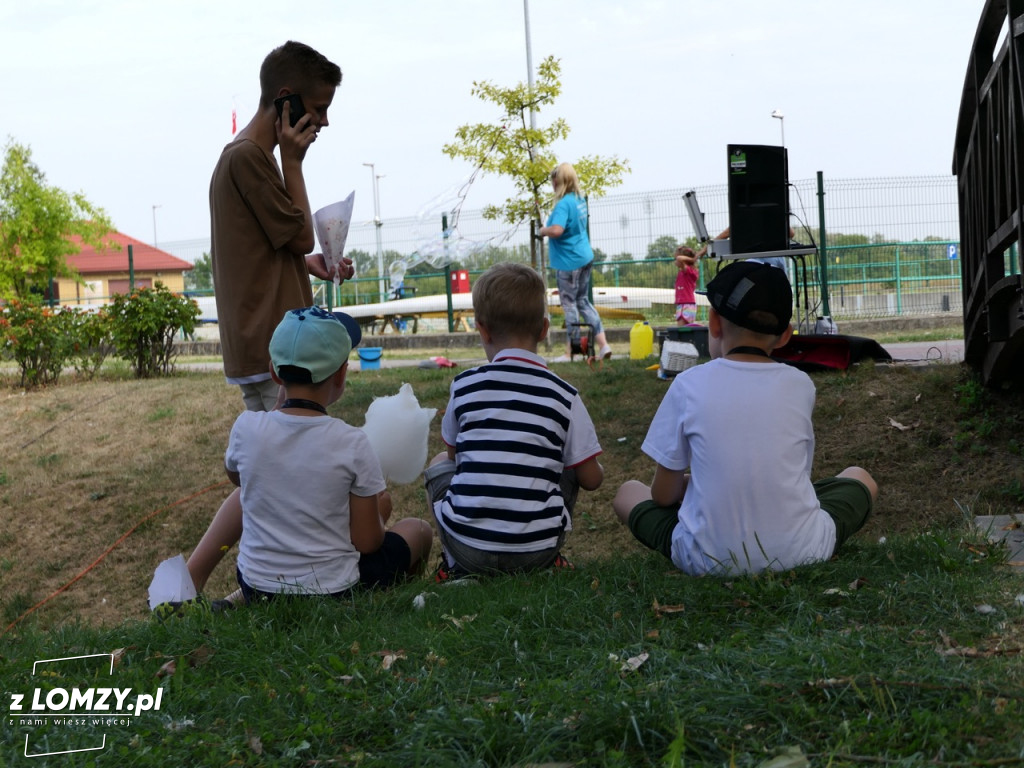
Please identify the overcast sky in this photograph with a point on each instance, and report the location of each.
(130, 102)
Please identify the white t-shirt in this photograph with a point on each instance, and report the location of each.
(297, 473)
(744, 430)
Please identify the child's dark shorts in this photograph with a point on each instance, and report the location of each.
(847, 502)
(382, 568)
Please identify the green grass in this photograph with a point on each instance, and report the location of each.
(880, 657)
(902, 652)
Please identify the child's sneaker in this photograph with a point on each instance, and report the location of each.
(198, 604)
(446, 573)
(180, 608)
(562, 562)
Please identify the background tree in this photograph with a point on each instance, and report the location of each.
(200, 277)
(662, 248)
(38, 226)
(363, 261)
(512, 148)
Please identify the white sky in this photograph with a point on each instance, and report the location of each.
(130, 101)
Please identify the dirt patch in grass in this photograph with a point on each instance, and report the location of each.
(85, 463)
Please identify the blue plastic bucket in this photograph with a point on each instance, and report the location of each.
(369, 358)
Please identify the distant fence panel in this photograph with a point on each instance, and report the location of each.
(633, 236)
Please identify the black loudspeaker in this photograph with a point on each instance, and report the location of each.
(758, 198)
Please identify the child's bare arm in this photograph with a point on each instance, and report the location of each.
(365, 524)
(668, 486)
(590, 474)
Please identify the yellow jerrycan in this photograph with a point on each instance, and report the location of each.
(641, 341)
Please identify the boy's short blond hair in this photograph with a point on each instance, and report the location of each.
(511, 301)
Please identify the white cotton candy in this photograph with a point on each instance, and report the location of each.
(398, 430)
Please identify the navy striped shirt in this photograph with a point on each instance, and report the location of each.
(515, 426)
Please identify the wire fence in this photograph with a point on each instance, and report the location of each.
(891, 247)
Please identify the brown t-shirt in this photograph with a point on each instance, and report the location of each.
(256, 279)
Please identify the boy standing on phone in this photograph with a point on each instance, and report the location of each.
(260, 218)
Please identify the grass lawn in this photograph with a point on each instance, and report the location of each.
(903, 651)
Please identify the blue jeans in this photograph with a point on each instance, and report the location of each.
(572, 291)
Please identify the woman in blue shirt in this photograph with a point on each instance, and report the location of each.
(572, 260)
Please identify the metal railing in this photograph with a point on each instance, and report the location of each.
(989, 166)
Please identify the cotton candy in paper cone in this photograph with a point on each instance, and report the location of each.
(397, 428)
(331, 223)
(171, 582)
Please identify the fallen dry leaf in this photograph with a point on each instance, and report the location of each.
(460, 621)
(388, 658)
(788, 757)
(255, 744)
(660, 610)
(902, 427)
(634, 663)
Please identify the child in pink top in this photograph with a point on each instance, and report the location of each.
(686, 284)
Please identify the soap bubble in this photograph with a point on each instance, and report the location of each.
(397, 270)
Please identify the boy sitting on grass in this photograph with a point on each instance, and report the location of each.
(312, 504)
(741, 425)
(520, 442)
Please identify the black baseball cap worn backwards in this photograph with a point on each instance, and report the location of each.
(744, 287)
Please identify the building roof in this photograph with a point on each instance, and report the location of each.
(145, 258)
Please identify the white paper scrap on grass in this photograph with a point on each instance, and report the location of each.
(171, 583)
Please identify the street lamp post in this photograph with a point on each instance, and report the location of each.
(377, 223)
(154, 223)
(782, 124)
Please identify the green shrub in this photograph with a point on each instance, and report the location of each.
(38, 339)
(143, 326)
(91, 334)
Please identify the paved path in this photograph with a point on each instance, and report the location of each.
(951, 351)
(913, 352)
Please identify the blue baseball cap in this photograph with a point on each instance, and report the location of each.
(314, 340)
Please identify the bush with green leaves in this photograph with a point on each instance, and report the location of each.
(44, 340)
(91, 341)
(143, 326)
(36, 337)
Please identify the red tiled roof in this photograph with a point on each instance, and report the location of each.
(145, 258)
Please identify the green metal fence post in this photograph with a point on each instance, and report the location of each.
(823, 248)
(447, 274)
(899, 284)
(131, 269)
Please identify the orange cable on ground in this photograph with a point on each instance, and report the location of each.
(108, 550)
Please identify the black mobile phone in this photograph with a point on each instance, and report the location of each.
(296, 107)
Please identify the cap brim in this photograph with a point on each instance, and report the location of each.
(355, 333)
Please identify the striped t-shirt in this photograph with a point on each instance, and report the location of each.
(515, 426)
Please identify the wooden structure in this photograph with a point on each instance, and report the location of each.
(989, 165)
